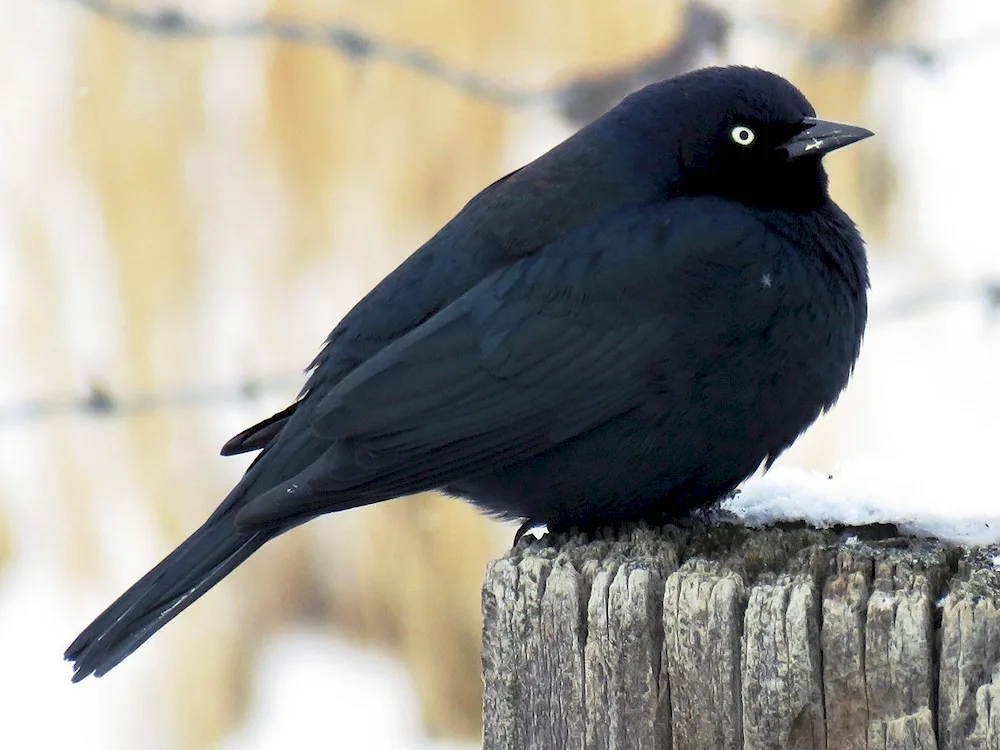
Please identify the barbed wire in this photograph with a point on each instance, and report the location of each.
(354, 45)
(582, 98)
(705, 26)
(99, 402)
(821, 51)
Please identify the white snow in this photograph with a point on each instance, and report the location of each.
(41, 707)
(313, 690)
(853, 498)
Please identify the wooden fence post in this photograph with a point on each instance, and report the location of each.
(725, 637)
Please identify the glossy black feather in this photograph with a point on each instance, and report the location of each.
(625, 328)
(259, 435)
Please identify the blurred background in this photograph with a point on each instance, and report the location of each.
(192, 195)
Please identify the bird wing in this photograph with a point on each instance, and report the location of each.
(257, 436)
(585, 179)
(551, 346)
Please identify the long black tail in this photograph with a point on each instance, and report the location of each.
(200, 562)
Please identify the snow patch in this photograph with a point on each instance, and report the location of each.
(851, 498)
(311, 690)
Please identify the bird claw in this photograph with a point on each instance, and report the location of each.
(522, 530)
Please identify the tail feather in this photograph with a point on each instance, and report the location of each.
(200, 562)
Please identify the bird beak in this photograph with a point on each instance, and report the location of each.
(821, 137)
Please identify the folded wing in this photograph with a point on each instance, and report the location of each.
(539, 352)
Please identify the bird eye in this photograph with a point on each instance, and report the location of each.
(742, 135)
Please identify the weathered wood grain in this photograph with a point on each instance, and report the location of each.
(845, 695)
(724, 637)
(782, 676)
(703, 624)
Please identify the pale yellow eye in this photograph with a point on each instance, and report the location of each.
(742, 135)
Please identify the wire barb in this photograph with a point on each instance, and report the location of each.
(101, 403)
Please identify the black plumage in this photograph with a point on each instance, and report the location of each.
(624, 329)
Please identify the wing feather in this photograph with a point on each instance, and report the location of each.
(538, 352)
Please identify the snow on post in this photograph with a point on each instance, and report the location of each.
(723, 636)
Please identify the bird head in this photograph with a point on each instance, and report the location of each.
(739, 133)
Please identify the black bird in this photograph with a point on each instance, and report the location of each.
(626, 328)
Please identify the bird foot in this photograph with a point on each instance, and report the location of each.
(523, 529)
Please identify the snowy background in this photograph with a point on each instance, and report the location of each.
(915, 439)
